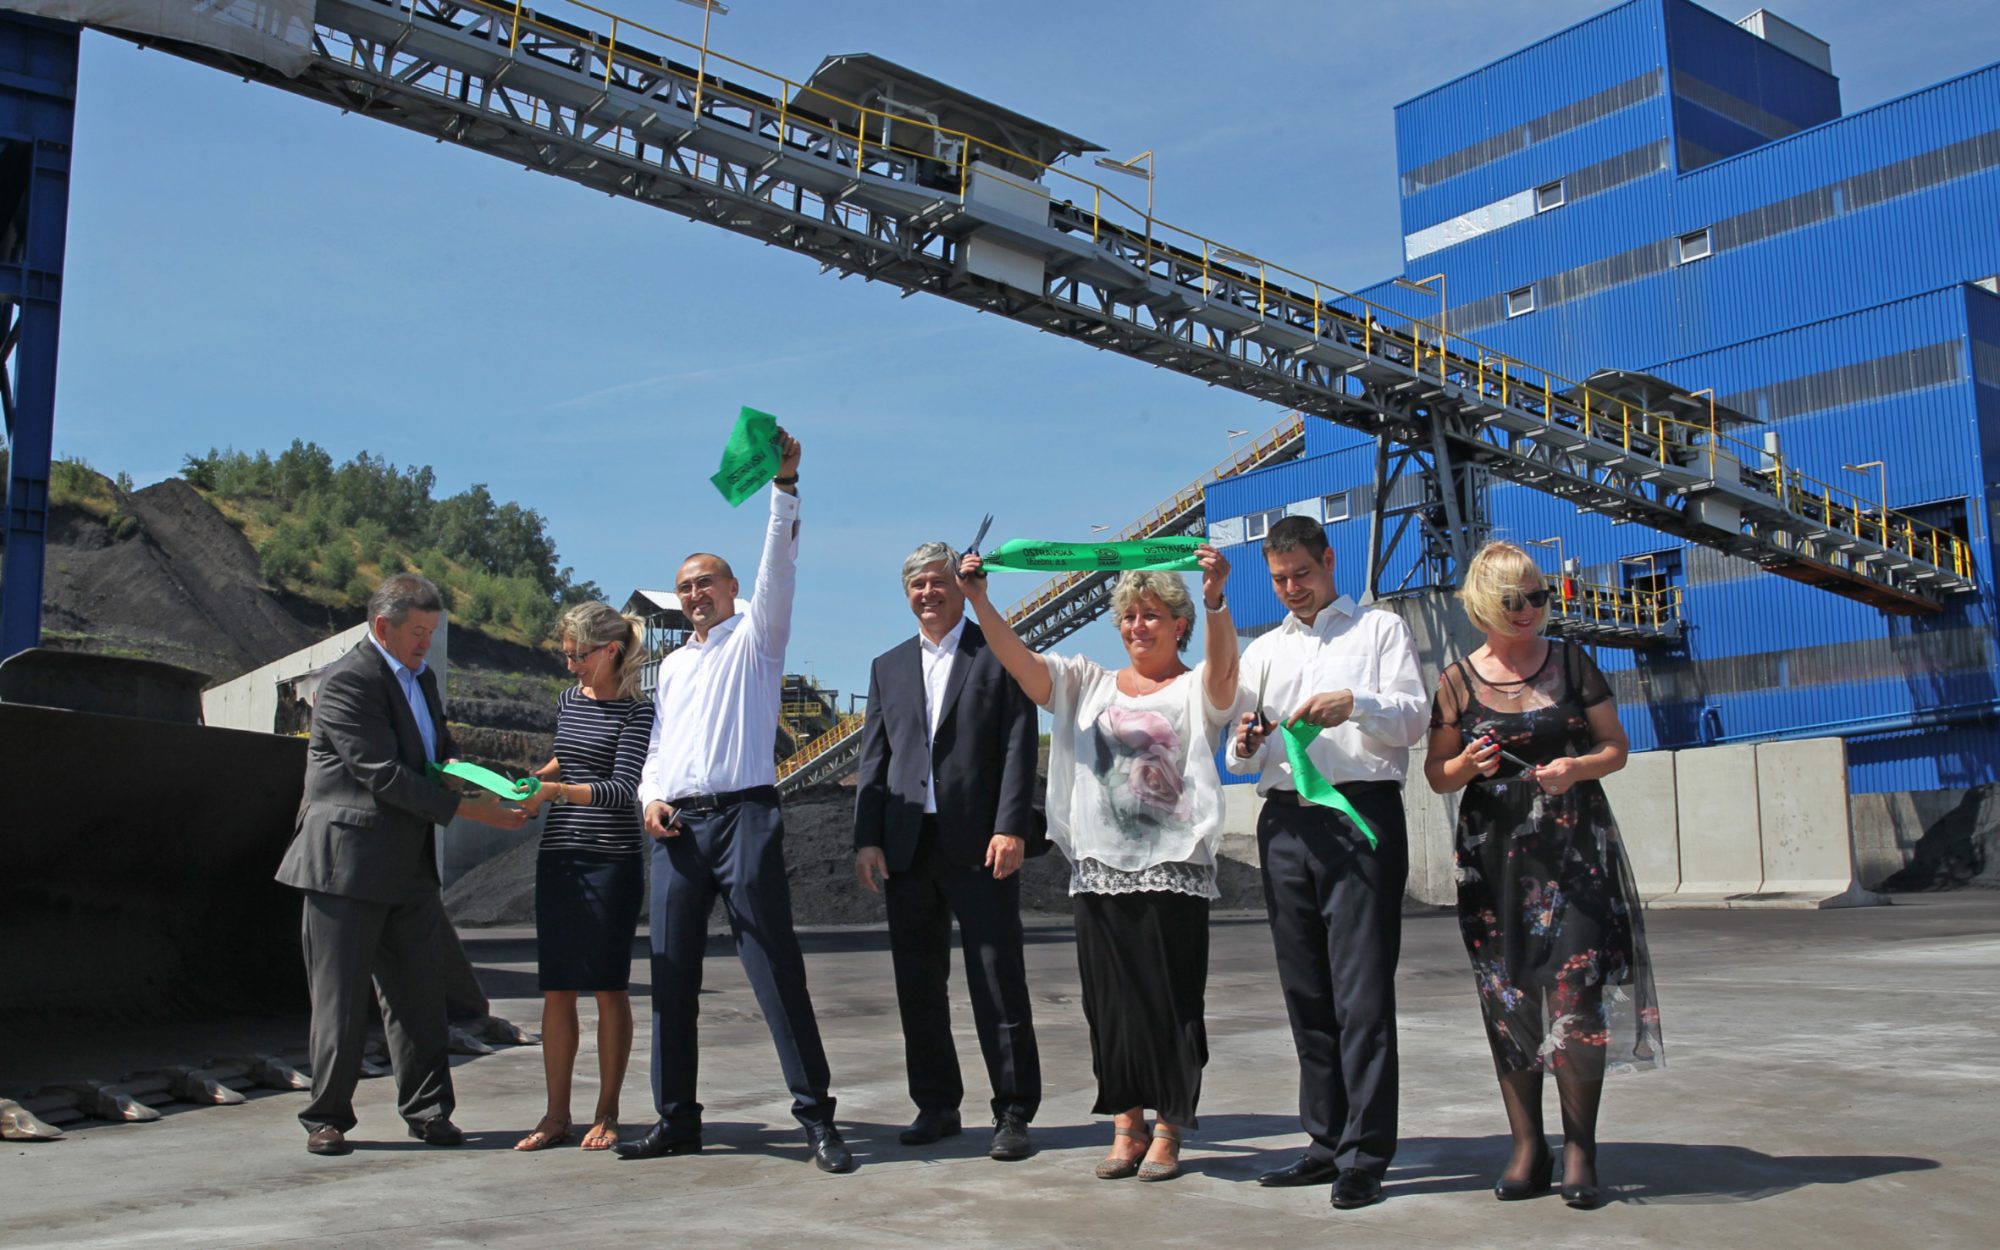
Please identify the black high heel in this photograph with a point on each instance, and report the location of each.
(1582, 1197)
(1539, 1179)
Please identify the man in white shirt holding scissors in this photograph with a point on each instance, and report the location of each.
(1335, 902)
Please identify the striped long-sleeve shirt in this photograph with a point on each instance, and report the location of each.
(602, 743)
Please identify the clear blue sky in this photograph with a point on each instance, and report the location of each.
(246, 267)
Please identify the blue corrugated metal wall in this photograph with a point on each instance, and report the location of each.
(1833, 306)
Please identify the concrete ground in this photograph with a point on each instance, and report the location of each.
(1832, 1081)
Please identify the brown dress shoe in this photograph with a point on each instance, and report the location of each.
(326, 1141)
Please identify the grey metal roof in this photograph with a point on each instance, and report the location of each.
(872, 82)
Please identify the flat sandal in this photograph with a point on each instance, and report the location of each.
(1112, 1168)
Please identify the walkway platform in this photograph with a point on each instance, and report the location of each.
(1831, 1081)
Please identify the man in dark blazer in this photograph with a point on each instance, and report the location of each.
(364, 852)
(943, 811)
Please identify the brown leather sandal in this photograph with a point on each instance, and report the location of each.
(543, 1137)
(1113, 1168)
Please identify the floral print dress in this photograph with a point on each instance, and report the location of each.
(1546, 902)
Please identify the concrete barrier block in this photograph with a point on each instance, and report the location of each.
(1808, 850)
(1647, 810)
(1721, 850)
(1431, 819)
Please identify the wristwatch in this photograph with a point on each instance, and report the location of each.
(561, 796)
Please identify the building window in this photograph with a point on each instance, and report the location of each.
(1550, 195)
(1258, 524)
(1334, 508)
(1521, 302)
(1695, 246)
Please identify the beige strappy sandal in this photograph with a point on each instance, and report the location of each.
(1113, 1168)
(1150, 1171)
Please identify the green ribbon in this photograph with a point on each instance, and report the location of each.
(486, 779)
(750, 458)
(1313, 785)
(1166, 555)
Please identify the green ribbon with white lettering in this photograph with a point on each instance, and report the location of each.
(1313, 785)
(486, 779)
(1165, 555)
(750, 457)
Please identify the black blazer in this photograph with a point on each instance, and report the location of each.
(986, 749)
(364, 824)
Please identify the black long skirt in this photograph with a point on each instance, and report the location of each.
(586, 912)
(1144, 964)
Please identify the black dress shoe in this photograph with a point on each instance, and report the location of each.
(829, 1152)
(1356, 1188)
(327, 1140)
(437, 1131)
(930, 1126)
(1537, 1181)
(1010, 1137)
(1582, 1197)
(659, 1142)
(1306, 1170)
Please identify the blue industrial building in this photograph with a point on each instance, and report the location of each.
(1661, 190)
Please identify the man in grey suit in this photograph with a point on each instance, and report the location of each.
(363, 851)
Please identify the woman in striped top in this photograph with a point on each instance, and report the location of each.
(589, 876)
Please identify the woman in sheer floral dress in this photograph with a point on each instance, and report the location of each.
(1546, 902)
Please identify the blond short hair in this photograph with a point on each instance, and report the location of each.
(1168, 588)
(1498, 572)
(594, 625)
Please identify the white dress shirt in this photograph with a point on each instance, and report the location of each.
(716, 707)
(1345, 648)
(938, 658)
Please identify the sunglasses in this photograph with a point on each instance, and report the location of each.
(1526, 599)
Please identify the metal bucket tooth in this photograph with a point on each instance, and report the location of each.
(109, 1102)
(17, 1123)
(464, 1043)
(196, 1085)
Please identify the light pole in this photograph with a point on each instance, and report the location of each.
(1231, 436)
(1131, 168)
(709, 8)
(1652, 581)
(1562, 565)
(1444, 330)
(1863, 468)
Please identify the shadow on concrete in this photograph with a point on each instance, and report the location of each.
(1695, 1175)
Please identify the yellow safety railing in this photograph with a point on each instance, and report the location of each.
(1619, 606)
(1377, 329)
(1252, 454)
(799, 758)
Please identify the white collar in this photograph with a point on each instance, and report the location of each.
(396, 666)
(717, 632)
(1344, 605)
(948, 644)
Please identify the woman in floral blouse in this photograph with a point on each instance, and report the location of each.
(1136, 805)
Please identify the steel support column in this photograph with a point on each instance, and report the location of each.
(37, 117)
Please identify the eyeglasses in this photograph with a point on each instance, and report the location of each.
(578, 657)
(1526, 599)
(693, 584)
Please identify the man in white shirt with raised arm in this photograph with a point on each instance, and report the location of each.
(1335, 903)
(709, 791)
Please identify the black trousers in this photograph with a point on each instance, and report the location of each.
(922, 900)
(1337, 921)
(737, 852)
(405, 950)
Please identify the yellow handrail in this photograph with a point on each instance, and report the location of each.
(798, 759)
(1480, 368)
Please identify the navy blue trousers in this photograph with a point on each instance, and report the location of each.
(739, 854)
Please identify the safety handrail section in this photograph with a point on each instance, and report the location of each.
(1266, 445)
(847, 724)
(1274, 295)
(1588, 603)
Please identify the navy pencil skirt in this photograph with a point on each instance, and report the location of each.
(586, 913)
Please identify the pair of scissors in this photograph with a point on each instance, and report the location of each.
(980, 537)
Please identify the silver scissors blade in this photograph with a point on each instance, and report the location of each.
(980, 537)
(1263, 684)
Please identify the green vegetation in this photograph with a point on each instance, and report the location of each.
(73, 482)
(330, 532)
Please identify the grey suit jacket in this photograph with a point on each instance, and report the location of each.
(364, 825)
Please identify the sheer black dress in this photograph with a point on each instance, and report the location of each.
(1546, 902)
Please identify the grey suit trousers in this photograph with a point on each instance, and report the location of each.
(402, 948)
